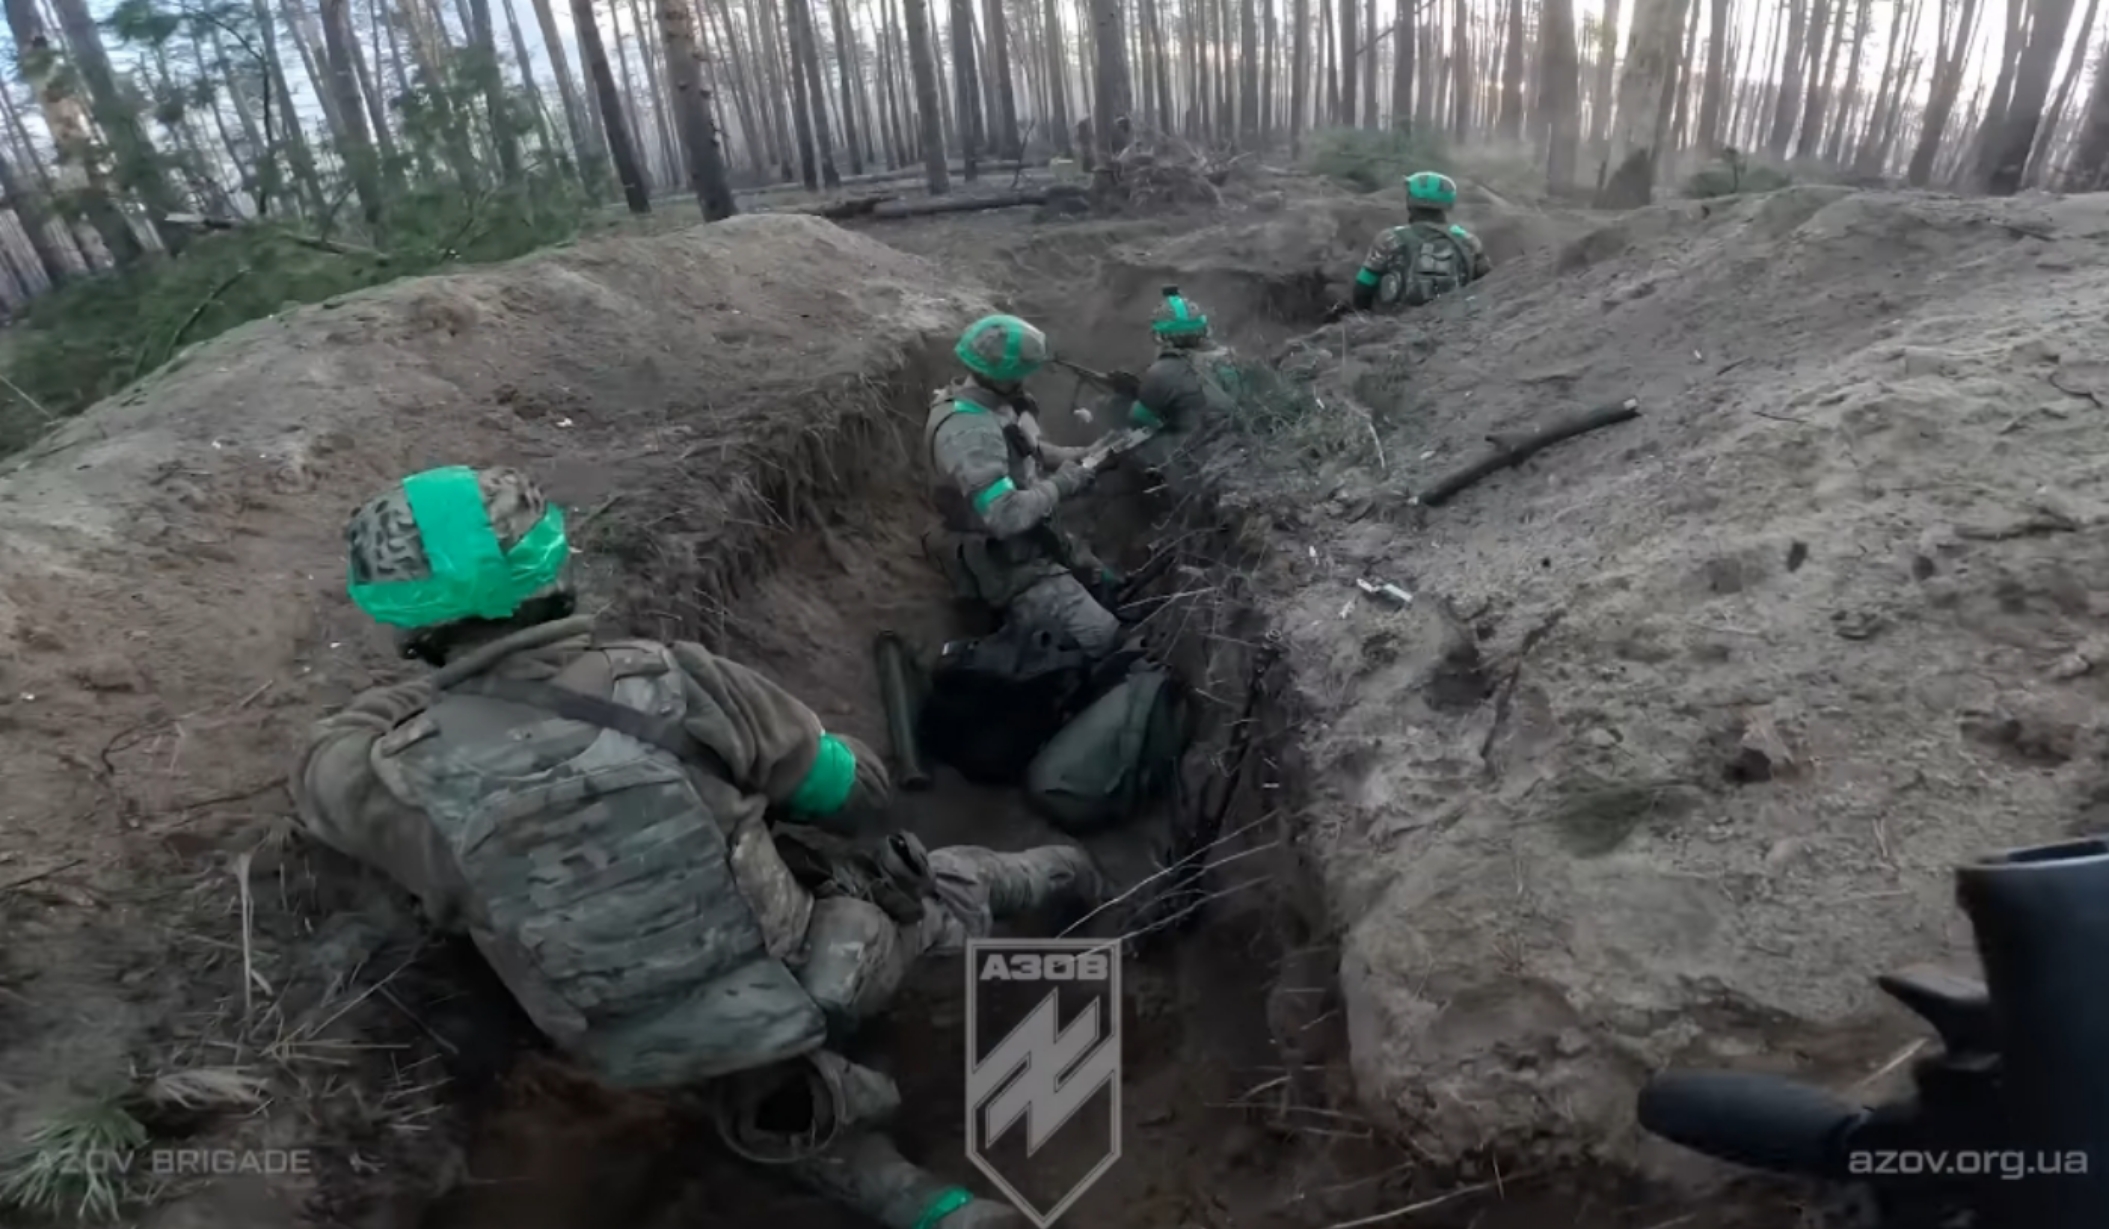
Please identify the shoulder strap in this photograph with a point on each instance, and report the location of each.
(669, 736)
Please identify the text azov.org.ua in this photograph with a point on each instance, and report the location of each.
(2007, 1163)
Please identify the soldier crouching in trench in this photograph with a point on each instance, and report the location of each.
(595, 815)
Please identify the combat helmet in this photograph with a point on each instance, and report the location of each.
(1179, 321)
(455, 544)
(1432, 189)
(1002, 349)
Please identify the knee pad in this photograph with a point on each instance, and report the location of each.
(853, 963)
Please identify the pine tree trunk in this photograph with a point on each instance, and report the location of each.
(1510, 123)
(505, 134)
(622, 147)
(376, 106)
(1249, 74)
(1787, 106)
(1680, 79)
(1842, 122)
(1348, 55)
(1057, 77)
(1823, 64)
(2088, 169)
(692, 111)
(966, 88)
(807, 49)
(1111, 98)
(1947, 83)
(852, 83)
(585, 141)
(1561, 78)
(1461, 72)
(1978, 155)
(1606, 61)
(671, 154)
(633, 110)
(1000, 65)
(35, 216)
(1644, 104)
(1709, 137)
(1299, 73)
(916, 16)
(2007, 149)
(355, 141)
(81, 169)
(1878, 119)
(2039, 158)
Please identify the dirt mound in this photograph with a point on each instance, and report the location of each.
(1691, 716)
(171, 600)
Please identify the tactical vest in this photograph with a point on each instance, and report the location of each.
(603, 890)
(1429, 260)
(982, 567)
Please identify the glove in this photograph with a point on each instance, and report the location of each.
(1337, 310)
(873, 790)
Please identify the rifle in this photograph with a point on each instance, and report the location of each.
(1113, 444)
(2009, 1123)
(1127, 384)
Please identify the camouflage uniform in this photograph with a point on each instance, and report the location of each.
(1425, 258)
(635, 902)
(998, 543)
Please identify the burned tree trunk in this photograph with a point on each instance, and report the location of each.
(692, 111)
(1644, 104)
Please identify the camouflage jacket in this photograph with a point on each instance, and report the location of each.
(1396, 251)
(1182, 388)
(766, 737)
(986, 460)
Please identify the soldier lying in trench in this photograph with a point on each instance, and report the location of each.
(595, 814)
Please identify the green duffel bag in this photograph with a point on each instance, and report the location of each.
(1117, 755)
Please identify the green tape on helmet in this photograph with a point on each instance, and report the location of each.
(1431, 188)
(472, 576)
(1179, 316)
(1002, 348)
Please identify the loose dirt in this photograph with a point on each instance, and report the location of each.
(1669, 755)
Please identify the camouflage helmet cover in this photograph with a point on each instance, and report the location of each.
(1431, 188)
(454, 543)
(1002, 348)
(1178, 319)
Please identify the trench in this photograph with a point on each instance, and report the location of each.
(1225, 1022)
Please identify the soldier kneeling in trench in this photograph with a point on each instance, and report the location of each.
(999, 544)
(1190, 382)
(595, 814)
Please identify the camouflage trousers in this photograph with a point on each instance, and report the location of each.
(859, 1167)
(1061, 604)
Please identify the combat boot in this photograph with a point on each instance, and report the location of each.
(867, 1174)
(1051, 877)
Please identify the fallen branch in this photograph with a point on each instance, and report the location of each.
(965, 204)
(46, 873)
(1513, 450)
(175, 340)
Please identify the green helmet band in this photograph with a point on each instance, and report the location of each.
(1430, 188)
(1179, 318)
(472, 576)
(1012, 366)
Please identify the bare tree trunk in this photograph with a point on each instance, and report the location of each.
(1510, 123)
(807, 48)
(2088, 170)
(1716, 79)
(584, 139)
(852, 78)
(1606, 61)
(966, 88)
(355, 142)
(2039, 158)
(1112, 97)
(2007, 150)
(622, 148)
(1865, 156)
(1787, 106)
(1299, 74)
(1680, 78)
(1348, 56)
(1643, 104)
(1370, 48)
(692, 111)
(376, 104)
(1978, 154)
(1947, 83)
(917, 19)
(1822, 76)
(1006, 98)
(1461, 72)
(1842, 123)
(1561, 78)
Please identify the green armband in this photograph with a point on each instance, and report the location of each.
(1139, 415)
(1363, 277)
(828, 782)
(948, 1201)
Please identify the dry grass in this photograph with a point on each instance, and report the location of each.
(77, 1163)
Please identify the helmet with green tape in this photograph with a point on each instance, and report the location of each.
(452, 544)
(1431, 188)
(1178, 319)
(1002, 349)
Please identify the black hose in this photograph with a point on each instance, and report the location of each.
(2042, 921)
(1762, 1121)
(894, 694)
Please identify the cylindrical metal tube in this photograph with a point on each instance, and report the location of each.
(891, 655)
(2042, 922)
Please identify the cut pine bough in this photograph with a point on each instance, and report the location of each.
(1512, 450)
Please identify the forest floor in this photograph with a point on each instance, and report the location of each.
(1528, 866)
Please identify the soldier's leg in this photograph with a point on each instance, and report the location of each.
(978, 887)
(817, 1120)
(1062, 604)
